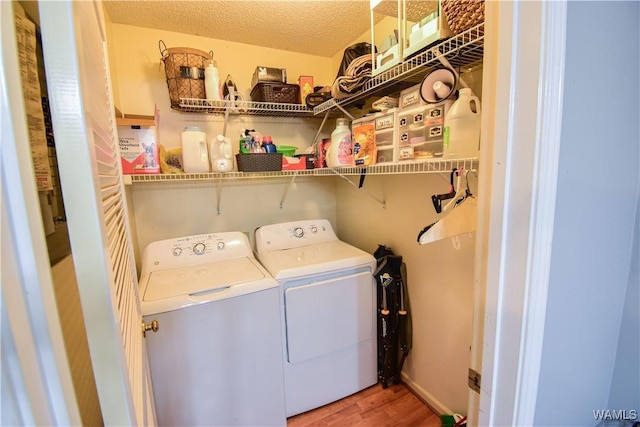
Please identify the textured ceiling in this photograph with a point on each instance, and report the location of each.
(316, 27)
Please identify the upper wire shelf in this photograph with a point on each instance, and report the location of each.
(463, 50)
(408, 167)
(250, 108)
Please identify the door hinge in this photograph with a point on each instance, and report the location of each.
(474, 381)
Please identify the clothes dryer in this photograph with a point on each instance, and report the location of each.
(327, 293)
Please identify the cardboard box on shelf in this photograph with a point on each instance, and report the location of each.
(138, 142)
(295, 163)
(306, 87)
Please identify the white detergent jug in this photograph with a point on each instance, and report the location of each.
(194, 150)
(221, 154)
(462, 127)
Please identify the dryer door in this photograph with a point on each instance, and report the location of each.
(329, 315)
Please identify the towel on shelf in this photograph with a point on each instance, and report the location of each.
(356, 75)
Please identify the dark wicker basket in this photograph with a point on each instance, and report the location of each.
(259, 162)
(463, 14)
(275, 92)
(184, 68)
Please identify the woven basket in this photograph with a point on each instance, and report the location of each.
(184, 68)
(259, 162)
(463, 14)
(275, 92)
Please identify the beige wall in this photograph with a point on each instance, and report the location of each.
(140, 83)
(162, 211)
(141, 79)
(440, 278)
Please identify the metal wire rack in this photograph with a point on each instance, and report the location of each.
(408, 167)
(463, 50)
(249, 108)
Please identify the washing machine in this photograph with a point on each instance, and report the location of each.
(216, 358)
(328, 294)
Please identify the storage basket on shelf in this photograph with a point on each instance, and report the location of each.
(184, 69)
(275, 92)
(259, 162)
(463, 14)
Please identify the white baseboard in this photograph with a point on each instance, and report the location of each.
(428, 398)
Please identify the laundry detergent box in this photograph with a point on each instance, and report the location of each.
(138, 143)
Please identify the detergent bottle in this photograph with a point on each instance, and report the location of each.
(462, 127)
(220, 154)
(194, 150)
(339, 153)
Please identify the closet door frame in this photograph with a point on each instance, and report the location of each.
(523, 101)
(37, 388)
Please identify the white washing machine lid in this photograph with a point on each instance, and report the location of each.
(166, 290)
(315, 259)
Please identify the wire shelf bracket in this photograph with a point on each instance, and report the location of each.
(360, 187)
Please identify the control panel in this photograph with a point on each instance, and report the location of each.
(197, 245)
(197, 249)
(294, 234)
(307, 230)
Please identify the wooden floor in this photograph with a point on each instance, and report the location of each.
(395, 406)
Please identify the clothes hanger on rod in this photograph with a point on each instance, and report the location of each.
(460, 216)
(437, 199)
(461, 191)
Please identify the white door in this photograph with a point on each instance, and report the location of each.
(75, 53)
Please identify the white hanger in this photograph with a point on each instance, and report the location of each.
(461, 193)
(460, 218)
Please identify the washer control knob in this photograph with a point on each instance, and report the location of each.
(220, 246)
(298, 232)
(314, 229)
(177, 251)
(199, 248)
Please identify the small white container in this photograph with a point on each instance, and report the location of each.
(195, 158)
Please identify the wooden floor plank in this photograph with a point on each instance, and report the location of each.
(395, 406)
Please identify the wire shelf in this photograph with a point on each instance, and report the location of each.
(408, 167)
(463, 50)
(249, 108)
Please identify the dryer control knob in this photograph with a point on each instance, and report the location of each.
(314, 229)
(177, 251)
(298, 232)
(220, 246)
(199, 248)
